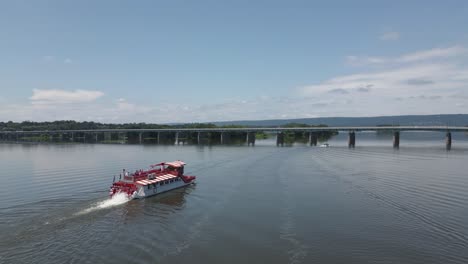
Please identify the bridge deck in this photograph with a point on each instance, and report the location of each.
(263, 129)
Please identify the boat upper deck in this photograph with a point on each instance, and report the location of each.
(157, 179)
(158, 173)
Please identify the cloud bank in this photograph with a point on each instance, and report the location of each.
(63, 96)
(431, 81)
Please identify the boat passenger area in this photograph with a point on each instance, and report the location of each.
(170, 173)
(161, 172)
(157, 179)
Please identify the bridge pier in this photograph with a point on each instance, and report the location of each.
(250, 138)
(177, 138)
(204, 138)
(182, 137)
(313, 139)
(123, 137)
(226, 137)
(107, 137)
(140, 137)
(448, 141)
(280, 139)
(396, 139)
(351, 139)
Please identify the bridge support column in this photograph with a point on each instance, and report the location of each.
(280, 139)
(250, 138)
(206, 138)
(448, 141)
(177, 138)
(140, 137)
(107, 137)
(158, 136)
(396, 139)
(351, 139)
(222, 138)
(182, 137)
(312, 139)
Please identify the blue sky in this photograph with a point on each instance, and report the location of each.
(199, 61)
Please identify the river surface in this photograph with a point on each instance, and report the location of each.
(262, 204)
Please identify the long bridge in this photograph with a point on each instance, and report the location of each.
(179, 135)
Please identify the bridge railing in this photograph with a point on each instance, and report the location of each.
(262, 129)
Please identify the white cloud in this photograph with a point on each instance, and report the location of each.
(355, 103)
(364, 60)
(433, 54)
(63, 96)
(392, 35)
(124, 105)
(409, 79)
(51, 58)
(418, 56)
(48, 58)
(433, 81)
(423, 82)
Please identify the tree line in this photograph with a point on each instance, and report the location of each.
(90, 125)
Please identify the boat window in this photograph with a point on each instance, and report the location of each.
(149, 186)
(166, 182)
(154, 185)
(161, 183)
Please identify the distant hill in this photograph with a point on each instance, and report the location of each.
(405, 120)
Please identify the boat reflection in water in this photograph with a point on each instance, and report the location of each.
(160, 206)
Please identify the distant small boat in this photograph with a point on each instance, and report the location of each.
(162, 177)
(324, 145)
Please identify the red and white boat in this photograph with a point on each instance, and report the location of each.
(161, 177)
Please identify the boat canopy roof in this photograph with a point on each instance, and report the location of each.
(157, 179)
(175, 164)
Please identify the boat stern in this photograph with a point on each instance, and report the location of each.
(129, 189)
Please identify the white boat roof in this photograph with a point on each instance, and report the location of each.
(157, 179)
(177, 163)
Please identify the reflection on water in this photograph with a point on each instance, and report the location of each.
(250, 204)
(161, 205)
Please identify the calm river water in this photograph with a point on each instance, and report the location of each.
(262, 204)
